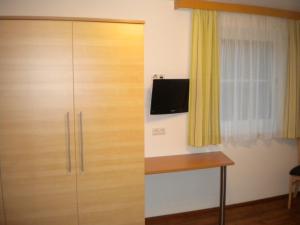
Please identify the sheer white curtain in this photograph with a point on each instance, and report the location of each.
(253, 74)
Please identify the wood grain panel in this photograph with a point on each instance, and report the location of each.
(167, 164)
(108, 65)
(238, 8)
(36, 92)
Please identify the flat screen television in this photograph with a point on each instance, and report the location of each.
(169, 96)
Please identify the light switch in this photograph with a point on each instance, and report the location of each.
(158, 131)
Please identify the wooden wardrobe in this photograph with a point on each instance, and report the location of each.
(71, 123)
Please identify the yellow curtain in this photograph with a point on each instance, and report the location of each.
(204, 115)
(292, 101)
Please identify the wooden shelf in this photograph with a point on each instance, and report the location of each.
(167, 164)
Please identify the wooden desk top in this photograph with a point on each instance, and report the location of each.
(167, 164)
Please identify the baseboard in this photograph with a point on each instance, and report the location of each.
(214, 210)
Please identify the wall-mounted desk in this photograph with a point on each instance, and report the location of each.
(168, 164)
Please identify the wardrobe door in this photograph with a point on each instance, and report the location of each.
(108, 74)
(36, 123)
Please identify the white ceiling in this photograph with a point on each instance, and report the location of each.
(281, 4)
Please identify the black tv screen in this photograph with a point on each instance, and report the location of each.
(169, 96)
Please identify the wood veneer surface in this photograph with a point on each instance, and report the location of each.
(36, 92)
(166, 164)
(237, 8)
(108, 74)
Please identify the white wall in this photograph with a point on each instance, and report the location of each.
(261, 169)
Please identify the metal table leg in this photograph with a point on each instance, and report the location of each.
(222, 195)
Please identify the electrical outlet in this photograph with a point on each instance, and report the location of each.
(158, 131)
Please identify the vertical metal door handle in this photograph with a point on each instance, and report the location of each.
(81, 142)
(69, 143)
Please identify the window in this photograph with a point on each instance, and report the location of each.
(251, 79)
(253, 71)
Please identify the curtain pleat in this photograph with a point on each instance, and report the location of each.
(292, 101)
(204, 115)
